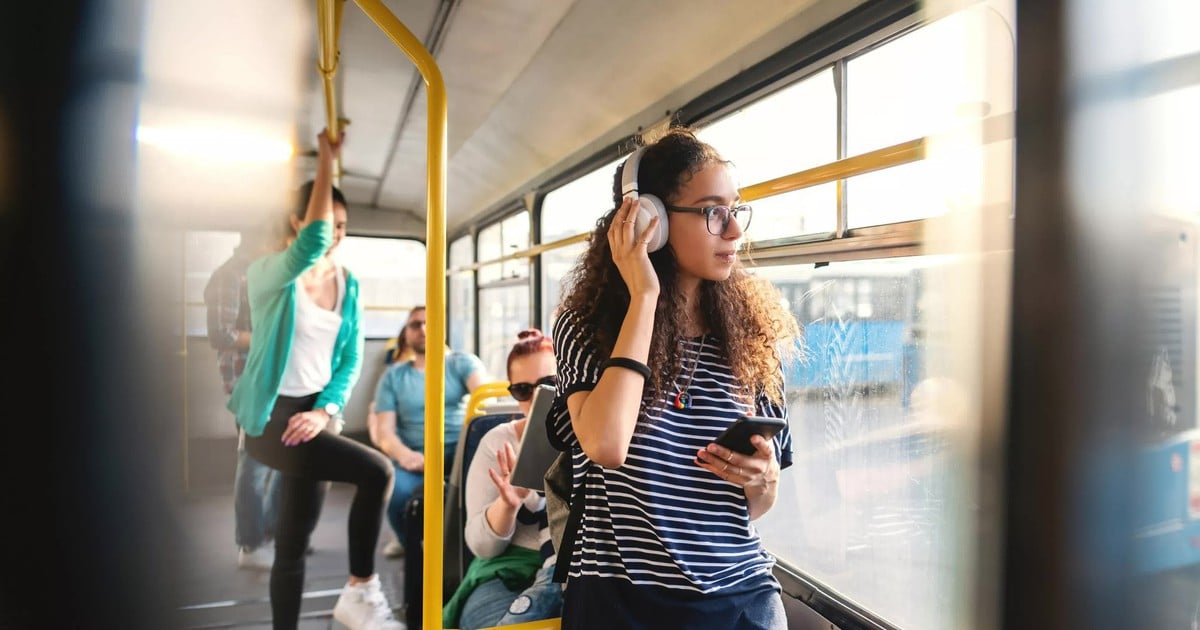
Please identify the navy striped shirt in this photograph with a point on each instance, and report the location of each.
(660, 519)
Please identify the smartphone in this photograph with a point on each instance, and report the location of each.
(737, 437)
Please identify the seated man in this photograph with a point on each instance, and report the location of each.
(510, 580)
(399, 422)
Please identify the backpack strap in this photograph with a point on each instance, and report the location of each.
(566, 549)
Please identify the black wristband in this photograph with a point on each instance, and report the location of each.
(629, 364)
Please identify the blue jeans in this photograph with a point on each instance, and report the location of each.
(405, 483)
(492, 604)
(255, 501)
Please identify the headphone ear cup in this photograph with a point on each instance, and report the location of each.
(650, 206)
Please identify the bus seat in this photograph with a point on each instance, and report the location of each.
(457, 556)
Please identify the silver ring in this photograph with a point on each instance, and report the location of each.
(726, 467)
(740, 472)
(627, 221)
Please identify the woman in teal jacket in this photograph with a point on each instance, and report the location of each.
(305, 356)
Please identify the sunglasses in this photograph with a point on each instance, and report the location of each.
(718, 217)
(524, 391)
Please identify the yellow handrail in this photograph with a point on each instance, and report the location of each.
(526, 253)
(435, 300)
(497, 389)
(879, 159)
(870, 161)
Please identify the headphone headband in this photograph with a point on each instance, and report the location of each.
(629, 172)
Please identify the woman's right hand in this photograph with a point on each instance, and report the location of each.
(629, 250)
(506, 460)
(330, 148)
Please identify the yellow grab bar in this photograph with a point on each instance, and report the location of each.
(870, 161)
(887, 157)
(435, 301)
(498, 389)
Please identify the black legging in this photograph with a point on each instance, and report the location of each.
(326, 457)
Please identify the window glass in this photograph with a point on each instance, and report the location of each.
(506, 237)
(203, 252)
(504, 313)
(925, 84)
(391, 278)
(490, 248)
(1138, 34)
(555, 266)
(866, 508)
(461, 295)
(515, 237)
(789, 131)
(574, 208)
(570, 210)
(1135, 199)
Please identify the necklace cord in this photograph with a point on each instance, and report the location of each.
(682, 398)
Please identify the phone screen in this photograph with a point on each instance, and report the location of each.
(737, 437)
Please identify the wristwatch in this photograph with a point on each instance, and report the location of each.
(333, 409)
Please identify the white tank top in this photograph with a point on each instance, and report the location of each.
(310, 363)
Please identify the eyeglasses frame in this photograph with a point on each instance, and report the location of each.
(708, 210)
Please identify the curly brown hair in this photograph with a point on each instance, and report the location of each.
(744, 309)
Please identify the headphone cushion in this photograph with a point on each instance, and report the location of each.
(650, 206)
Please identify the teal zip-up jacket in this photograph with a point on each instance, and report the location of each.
(271, 285)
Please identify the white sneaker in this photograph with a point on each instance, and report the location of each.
(393, 549)
(259, 559)
(363, 607)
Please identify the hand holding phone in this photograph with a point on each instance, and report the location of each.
(737, 437)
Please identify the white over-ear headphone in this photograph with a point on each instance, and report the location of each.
(649, 206)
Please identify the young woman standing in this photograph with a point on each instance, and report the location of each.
(659, 352)
(305, 356)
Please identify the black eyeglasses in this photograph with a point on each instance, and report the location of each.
(524, 391)
(718, 217)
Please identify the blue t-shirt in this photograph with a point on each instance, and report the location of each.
(402, 390)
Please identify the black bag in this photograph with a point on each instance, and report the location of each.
(563, 511)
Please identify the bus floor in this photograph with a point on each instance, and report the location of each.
(214, 593)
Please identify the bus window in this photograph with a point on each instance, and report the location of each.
(566, 211)
(503, 290)
(789, 131)
(460, 295)
(203, 252)
(505, 312)
(509, 236)
(920, 85)
(866, 510)
(391, 278)
(1167, 490)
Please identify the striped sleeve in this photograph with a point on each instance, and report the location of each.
(764, 406)
(578, 368)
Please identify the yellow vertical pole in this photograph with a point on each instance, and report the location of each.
(435, 300)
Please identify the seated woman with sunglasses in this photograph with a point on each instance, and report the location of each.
(510, 579)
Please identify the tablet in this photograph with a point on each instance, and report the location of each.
(535, 453)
